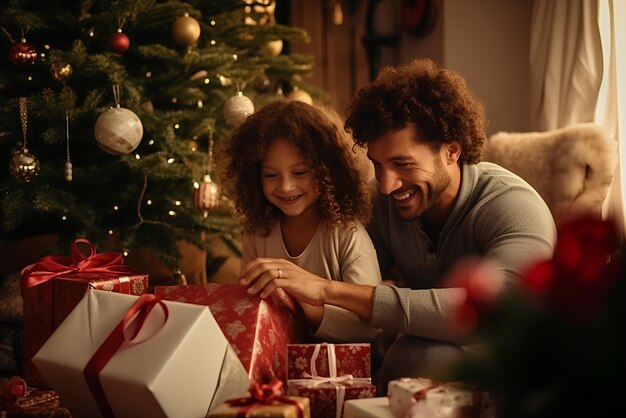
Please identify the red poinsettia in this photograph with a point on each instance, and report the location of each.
(576, 280)
(482, 283)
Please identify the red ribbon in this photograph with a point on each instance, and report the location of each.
(263, 394)
(136, 317)
(109, 264)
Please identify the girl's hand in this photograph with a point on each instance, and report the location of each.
(263, 275)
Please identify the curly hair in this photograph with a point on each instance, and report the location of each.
(436, 100)
(317, 131)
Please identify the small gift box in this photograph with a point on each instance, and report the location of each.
(258, 329)
(326, 389)
(266, 400)
(128, 356)
(367, 408)
(353, 359)
(53, 286)
(424, 398)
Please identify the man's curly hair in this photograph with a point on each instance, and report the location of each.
(436, 100)
(317, 131)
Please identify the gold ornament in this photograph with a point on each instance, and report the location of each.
(207, 195)
(61, 71)
(24, 165)
(300, 96)
(185, 30)
(273, 48)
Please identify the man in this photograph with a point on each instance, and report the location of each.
(425, 135)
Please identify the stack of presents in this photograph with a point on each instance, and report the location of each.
(96, 337)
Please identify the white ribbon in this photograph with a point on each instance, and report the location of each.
(313, 379)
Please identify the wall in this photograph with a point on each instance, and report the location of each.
(487, 41)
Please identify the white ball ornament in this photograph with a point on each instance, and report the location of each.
(118, 131)
(237, 109)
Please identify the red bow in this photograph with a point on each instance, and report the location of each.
(110, 264)
(263, 394)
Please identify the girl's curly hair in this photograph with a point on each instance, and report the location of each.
(436, 100)
(317, 131)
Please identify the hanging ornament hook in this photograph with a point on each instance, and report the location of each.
(116, 95)
(24, 119)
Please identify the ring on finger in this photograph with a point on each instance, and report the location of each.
(280, 273)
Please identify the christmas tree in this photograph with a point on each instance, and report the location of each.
(110, 112)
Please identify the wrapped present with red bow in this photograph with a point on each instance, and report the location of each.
(265, 400)
(425, 398)
(121, 355)
(330, 374)
(258, 329)
(53, 286)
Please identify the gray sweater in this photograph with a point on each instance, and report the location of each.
(497, 216)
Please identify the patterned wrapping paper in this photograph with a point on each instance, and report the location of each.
(353, 359)
(424, 398)
(324, 396)
(329, 374)
(258, 329)
(48, 304)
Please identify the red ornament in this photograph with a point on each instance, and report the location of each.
(119, 42)
(22, 53)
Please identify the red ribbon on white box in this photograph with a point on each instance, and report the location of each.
(126, 332)
(313, 379)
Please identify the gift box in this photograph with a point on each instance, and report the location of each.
(53, 286)
(17, 400)
(336, 373)
(424, 398)
(367, 408)
(258, 329)
(127, 356)
(265, 400)
(353, 359)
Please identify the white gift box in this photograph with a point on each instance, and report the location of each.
(367, 408)
(184, 369)
(424, 398)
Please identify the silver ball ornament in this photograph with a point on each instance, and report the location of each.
(237, 109)
(118, 131)
(24, 165)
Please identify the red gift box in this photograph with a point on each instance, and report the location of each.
(257, 329)
(353, 359)
(53, 286)
(329, 374)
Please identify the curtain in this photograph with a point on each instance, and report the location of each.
(565, 62)
(611, 109)
(578, 74)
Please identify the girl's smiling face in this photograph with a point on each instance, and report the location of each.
(287, 180)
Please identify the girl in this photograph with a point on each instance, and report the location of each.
(303, 202)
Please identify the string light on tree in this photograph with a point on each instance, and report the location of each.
(24, 165)
(237, 109)
(118, 130)
(186, 30)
